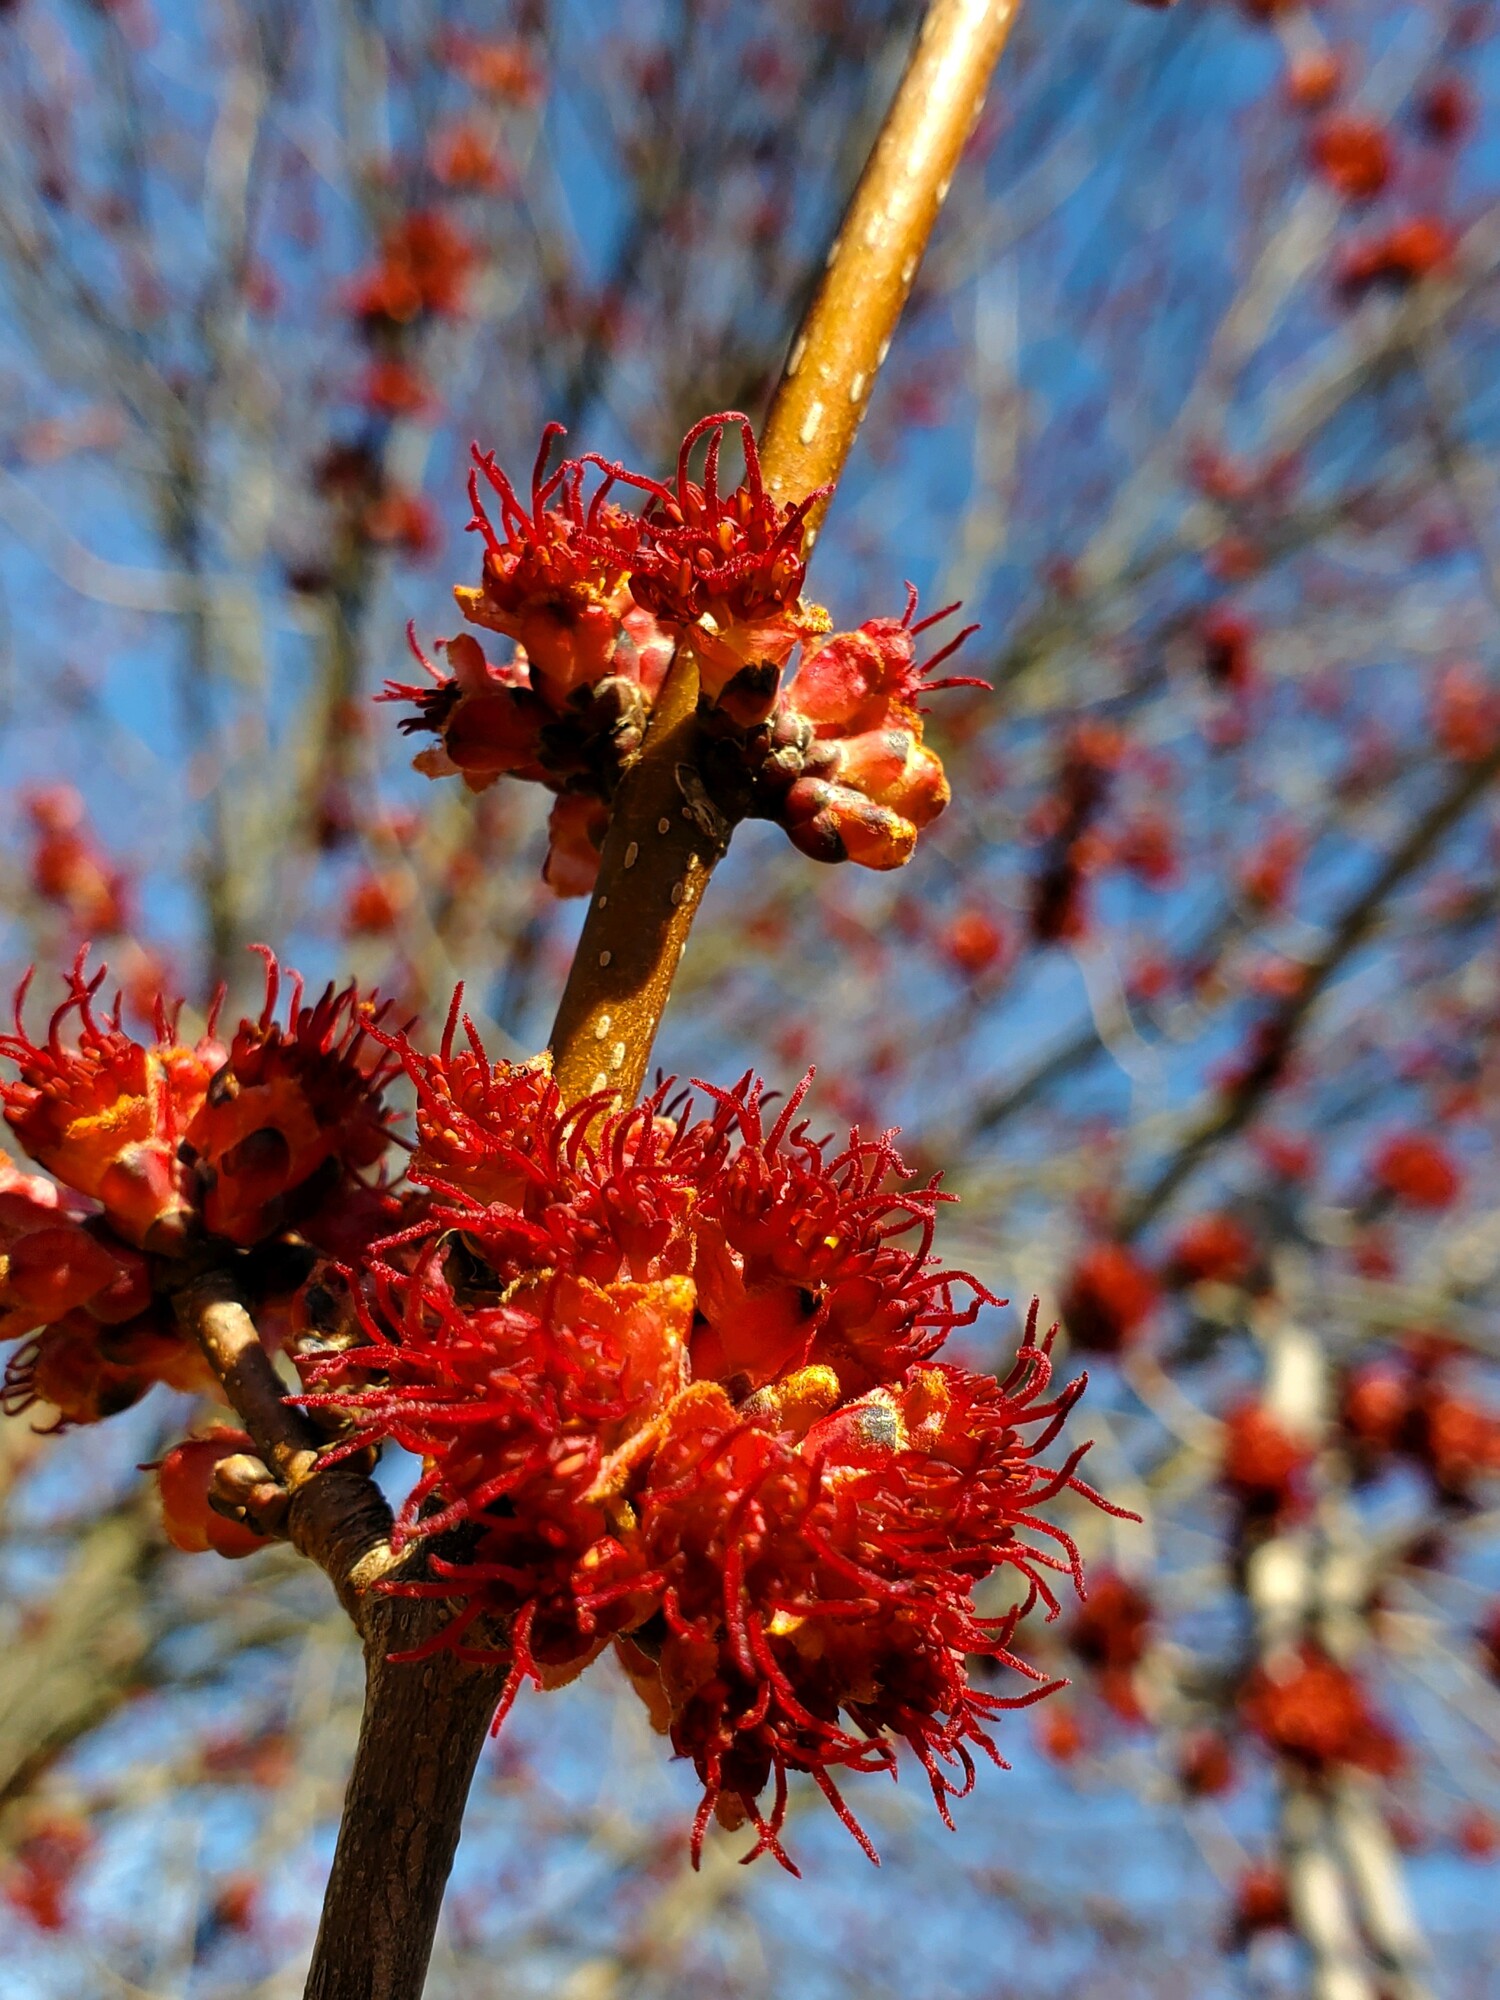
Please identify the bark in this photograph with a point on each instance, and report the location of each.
(423, 1728)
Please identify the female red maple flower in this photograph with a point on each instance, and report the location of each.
(285, 1103)
(555, 578)
(817, 1589)
(673, 1377)
(1309, 1708)
(1108, 1299)
(1353, 154)
(108, 1115)
(728, 567)
(1416, 1170)
(798, 1258)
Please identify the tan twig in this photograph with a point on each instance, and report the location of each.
(666, 836)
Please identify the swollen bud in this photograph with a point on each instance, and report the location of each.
(189, 1480)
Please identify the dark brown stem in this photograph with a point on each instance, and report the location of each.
(423, 1728)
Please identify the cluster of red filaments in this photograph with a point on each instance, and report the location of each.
(161, 1146)
(596, 598)
(675, 1378)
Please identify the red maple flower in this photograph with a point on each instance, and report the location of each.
(726, 566)
(425, 263)
(53, 1265)
(284, 1104)
(817, 1591)
(1205, 1764)
(675, 1377)
(1313, 78)
(1212, 1248)
(1108, 1299)
(1110, 1632)
(68, 867)
(1446, 110)
(1261, 1903)
(973, 943)
(1310, 1709)
(108, 1116)
(185, 1478)
(88, 1371)
(1264, 1466)
(1228, 649)
(1066, 822)
(1417, 1170)
(555, 577)
(1399, 257)
(1353, 154)
(1377, 1405)
(868, 783)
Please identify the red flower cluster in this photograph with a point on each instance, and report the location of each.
(1398, 257)
(1353, 154)
(868, 783)
(1417, 1171)
(69, 869)
(424, 267)
(162, 1144)
(1108, 1299)
(1110, 1634)
(675, 1377)
(596, 597)
(1261, 1903)
(1211, 1249)
(1315, 1712)
(1406, 1407)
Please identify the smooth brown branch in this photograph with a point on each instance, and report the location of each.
(666, 835)
(337, 1516)
(843, 340)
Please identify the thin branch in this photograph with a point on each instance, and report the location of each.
(666, 836)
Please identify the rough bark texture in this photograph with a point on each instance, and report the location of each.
(424, 1726)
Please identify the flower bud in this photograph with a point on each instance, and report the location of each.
(186, 1478)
